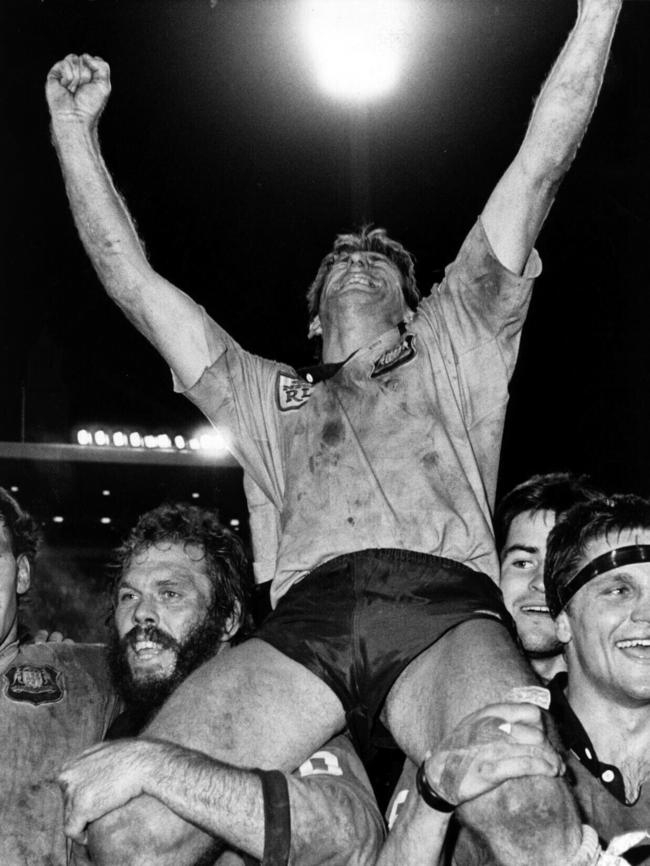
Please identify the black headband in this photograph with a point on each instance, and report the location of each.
(605, 562)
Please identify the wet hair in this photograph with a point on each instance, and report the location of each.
(227, 565)
(24, 532)
(582, 524)
(368, 239)
(552, 491)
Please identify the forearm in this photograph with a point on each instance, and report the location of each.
(417, 837)
(568, 97)
(166, 316)
(223, 801)
(519, 204)
(102, 220)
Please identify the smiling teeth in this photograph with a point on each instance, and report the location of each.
(536, 608)
(626, 644)
(145, 645)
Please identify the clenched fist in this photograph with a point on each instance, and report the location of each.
(77, 89)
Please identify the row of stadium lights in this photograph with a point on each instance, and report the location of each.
(58, 518)
(213, 442)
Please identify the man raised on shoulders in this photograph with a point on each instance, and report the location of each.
(402, 421)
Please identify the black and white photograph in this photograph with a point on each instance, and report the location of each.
(324, 465)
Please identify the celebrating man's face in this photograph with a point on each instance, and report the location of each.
(522, 581)
(165, 622)
(606, 625)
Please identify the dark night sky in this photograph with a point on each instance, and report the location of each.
(237, 171)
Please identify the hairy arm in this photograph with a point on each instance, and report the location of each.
(517, 208)
(333, 817)
(221, 800)
(77, 91)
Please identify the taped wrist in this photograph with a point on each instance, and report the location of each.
(277, 818)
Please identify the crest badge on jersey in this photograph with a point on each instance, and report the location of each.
(34, 684)
(395, 357)
(292, 392)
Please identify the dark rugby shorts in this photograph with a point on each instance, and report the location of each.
(360, 619)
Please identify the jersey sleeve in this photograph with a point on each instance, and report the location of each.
(237, 393)
(480, 299)
(473, 320)
(334, 817)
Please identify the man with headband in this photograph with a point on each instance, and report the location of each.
(597, 579)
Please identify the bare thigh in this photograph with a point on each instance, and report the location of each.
(474, 664)
(250, 706)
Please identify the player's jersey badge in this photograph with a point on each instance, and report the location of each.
(395, 357)
(33, 684)
(292, 392)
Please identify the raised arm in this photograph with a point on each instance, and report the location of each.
(77, 91)
(518, 206)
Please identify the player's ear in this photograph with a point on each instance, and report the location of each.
(315, 329)
(232, 624)
(24, 575)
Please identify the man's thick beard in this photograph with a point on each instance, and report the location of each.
(143, 697)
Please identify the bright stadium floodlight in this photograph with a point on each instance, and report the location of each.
(358, 45)
(101, 438)
(214, 442)
(135, 440)
(84, 437)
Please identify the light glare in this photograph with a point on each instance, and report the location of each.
(214, 442)
(357, 45)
